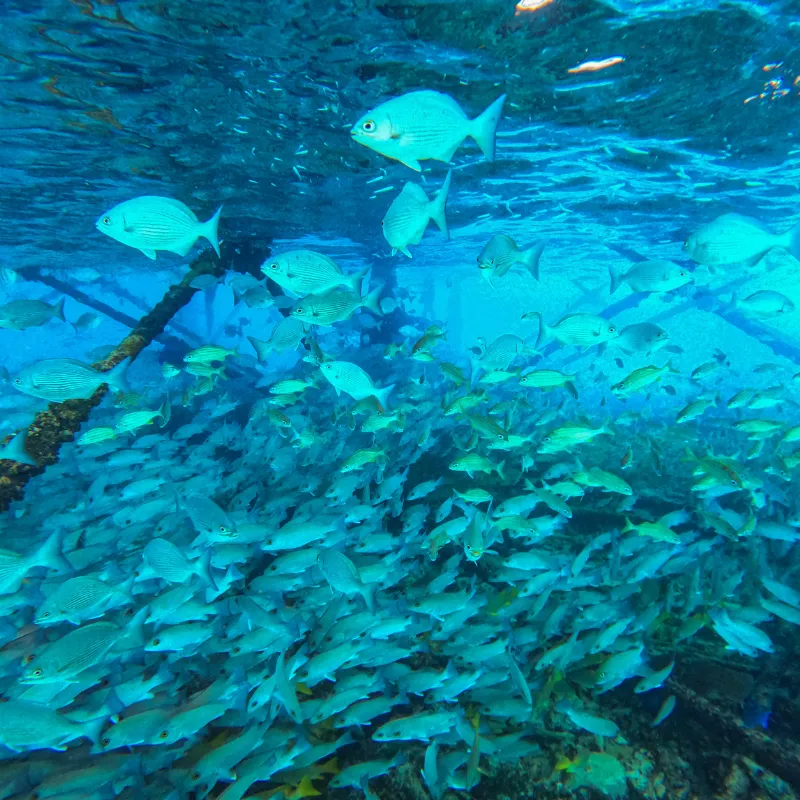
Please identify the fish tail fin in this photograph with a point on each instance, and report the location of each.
(629, 526)
(92, 728)
(354, 281)
(117, 377)
(437, 207)
(545, 331)
(368, 593)
(262, 348)
(372, 301)
(734, 303)
(58, 310)
(794, 241)
(383, 394)
(15, 450)
(500, 467)
(614, 277)
(51, 555)
(530, 258)
(209, 230)
(203, 569)
(670, 367)
(483, 128)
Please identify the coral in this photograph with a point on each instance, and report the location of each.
(599, 771)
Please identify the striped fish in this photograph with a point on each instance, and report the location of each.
(335, 306)
(152, 223)
(306, 272)
(60, 379)
(409, 214)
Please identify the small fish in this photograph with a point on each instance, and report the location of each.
(501, 253)
(655, 530)
(207, 354)
(566, 437)
(31, 726)
(60, 379)
(476, 463)
(69, 655)
(343, 576)
(87, 322)
(409, 214)
(305, 272)
(732, 239)
(658, 275)
(152, 223)
(334, 306)
(425, 125)
(667, 707)
(354, 381)
(286, 335)
(582, 330)
(764, 304)
(19, 315)
(696, 409)
(640, 379)
(546, 379)
(641, 337)
(170, 371)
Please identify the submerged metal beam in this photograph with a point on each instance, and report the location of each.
(60, 421)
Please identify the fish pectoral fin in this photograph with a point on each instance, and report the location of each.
(405, 251)
(410, 162)
(182, 250)
(149, 253)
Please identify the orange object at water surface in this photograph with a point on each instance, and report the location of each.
(530, 5)
(596, 66)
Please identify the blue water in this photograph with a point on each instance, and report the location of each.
(692, 116)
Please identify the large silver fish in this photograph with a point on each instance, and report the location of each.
(425, 125)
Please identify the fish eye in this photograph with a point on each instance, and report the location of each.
(303, 673)
(612, 329)
(106, 220)
(298, 311)
(45, 615)
(683, 274)
(37, 673)
(105, 742)
(195, 776)
(18, 381)
(733, 482)
(501, 437)
(237, 650)
(417, 604)
(163, 734)
(156, 642)
(368, 126)
(269, 541)
(222, 528)
(274, 265)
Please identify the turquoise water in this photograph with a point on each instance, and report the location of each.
(616, 580)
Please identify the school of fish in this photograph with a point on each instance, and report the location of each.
(384, 559)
